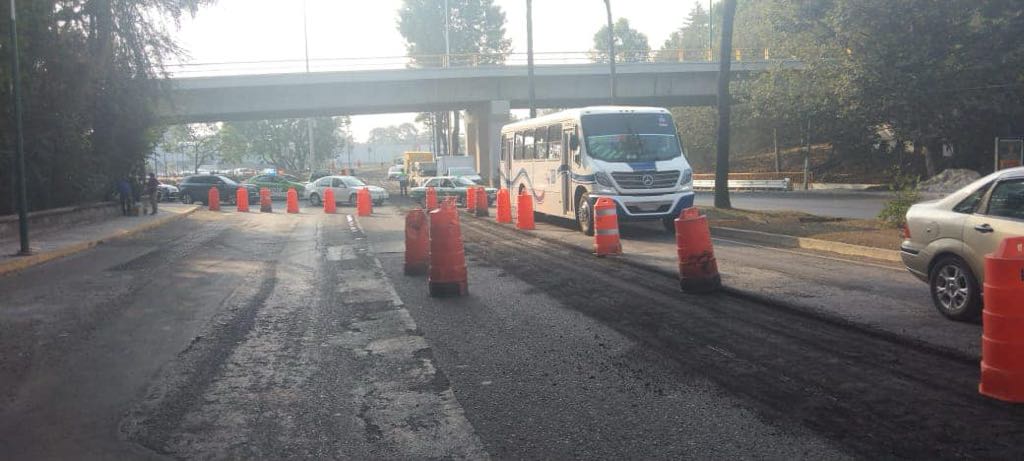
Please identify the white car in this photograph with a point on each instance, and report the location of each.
(395, 172)
(345, 188)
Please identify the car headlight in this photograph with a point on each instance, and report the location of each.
(686, 177)
(604, 183)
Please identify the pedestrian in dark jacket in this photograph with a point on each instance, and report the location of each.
(124, 192)
(151, 190)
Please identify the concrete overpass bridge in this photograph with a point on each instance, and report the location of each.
(487, 93)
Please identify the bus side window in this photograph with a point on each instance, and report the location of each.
(518, 153)
(529, 151)
(542, 143)
(555, 142)
(504, 147)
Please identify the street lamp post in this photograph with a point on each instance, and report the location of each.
(611, 47)
(529, 57)
(309, 121)
(19, 162)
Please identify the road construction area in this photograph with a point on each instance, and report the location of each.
(298, 336)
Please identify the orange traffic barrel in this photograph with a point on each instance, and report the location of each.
(504, 207)
(524, 212)
(213, 199)
(266, 205)
(417, 243)
(1002, 340)
(482, 208)
(431, 199)
(606, 228)
(698, 270)
(364, 205)
(471, 199)
(330, 205)
(448, 275)
(293, 200)
(242, 199)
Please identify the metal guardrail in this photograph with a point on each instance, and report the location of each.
(201, 69)
(746, 184)
(796, 177)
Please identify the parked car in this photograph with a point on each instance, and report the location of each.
(278, 184)
(166, 193)
(395, 172)
(449, 186)
(196, 188)
(946, 240)
(345, 188)
(466, 172)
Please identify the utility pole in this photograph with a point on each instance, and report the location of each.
(309, 121)
(529, 57)
(724, 73)
(19, 156)
(711, 31)
(611, 47)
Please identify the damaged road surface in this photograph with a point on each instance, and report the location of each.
(274, 336)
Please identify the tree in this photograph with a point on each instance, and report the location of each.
(284, 143)
(630, 45)
(691, 41)
(200, 141)
(724, 74)
(476, 32)
(89, 76)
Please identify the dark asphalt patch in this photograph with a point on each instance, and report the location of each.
(875, 396)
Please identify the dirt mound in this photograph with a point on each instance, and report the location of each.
(948, 181)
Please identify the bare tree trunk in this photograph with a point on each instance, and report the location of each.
(775, 143)
(455, 132)
(931, 161)
(724, 74)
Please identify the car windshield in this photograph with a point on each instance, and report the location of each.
(463, 182)
(630, 137)
(228, 181)
(353, 182)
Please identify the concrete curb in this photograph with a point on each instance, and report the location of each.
(789, 241)
(22, 263)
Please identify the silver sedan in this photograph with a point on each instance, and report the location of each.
(946, 240)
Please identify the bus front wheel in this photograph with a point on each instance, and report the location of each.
(585, 215)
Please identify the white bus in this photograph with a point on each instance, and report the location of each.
(568, 159)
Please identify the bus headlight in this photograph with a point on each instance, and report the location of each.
(604, 183)
(686, 177)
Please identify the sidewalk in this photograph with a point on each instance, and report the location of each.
(59, 243)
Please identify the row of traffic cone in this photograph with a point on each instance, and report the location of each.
(364, 203)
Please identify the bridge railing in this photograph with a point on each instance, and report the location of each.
(203, 69)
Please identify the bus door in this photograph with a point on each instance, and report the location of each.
(565, 166)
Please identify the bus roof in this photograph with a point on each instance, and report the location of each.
(573, 114)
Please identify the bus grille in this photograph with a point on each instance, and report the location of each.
(655, 179)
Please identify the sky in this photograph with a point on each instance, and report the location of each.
(233, 31)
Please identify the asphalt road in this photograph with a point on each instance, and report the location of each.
(256, 336)
(853, 205)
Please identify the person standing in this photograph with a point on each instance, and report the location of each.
(151, 189)
(403, 184)
(124, 191)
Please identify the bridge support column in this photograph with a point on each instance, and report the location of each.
(483, 136)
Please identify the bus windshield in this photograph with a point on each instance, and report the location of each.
(630, 137)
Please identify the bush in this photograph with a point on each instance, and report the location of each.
(904, 188)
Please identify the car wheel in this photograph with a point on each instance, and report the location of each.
(314, 200)
(585, 216)
(955, 290)
(670, 225)
(187, 199)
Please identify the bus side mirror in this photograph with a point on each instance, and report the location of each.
(574, 141)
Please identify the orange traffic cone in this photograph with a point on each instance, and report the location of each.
(524, 212)
(447, 257)
(698, 270)
(242, 199)
(471, 199)
(293, 201)
(417, 243)
(266, 204)
(1002, 349)
(213, 199)
(606, 228)
(364, 205)
(482, 208)
(330, 206)
(504, 207)
(431, 199)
